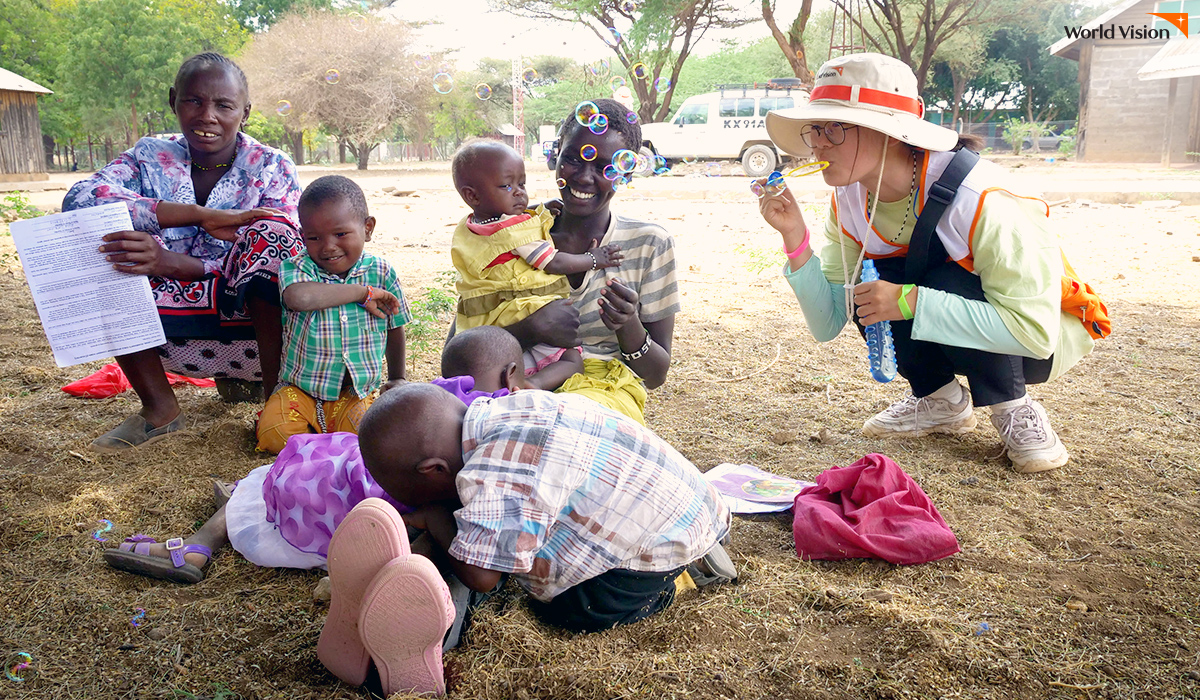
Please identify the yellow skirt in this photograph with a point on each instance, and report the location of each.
(506, 314)
(612, 385)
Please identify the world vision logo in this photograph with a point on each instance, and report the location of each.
(1116, 31)
(1179, 19)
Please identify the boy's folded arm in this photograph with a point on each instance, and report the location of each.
(441, 526)
(554, 374)
(315, 296)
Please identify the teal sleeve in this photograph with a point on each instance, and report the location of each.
(822, 301)
(948, 319)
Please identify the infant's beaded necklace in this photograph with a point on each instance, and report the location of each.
(492, 220)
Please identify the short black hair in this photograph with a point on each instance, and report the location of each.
(618, 119)
(206, 59)
(468, 156)
(334, 187)
(479, 349)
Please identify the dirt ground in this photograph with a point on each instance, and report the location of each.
(1077, 583)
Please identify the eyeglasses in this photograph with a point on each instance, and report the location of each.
(834, 132)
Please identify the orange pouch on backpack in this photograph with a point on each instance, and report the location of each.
(1082, 302)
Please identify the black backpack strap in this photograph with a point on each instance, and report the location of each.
(925, 250)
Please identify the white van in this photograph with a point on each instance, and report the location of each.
(727, 124)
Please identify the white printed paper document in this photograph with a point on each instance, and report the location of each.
(88, 310)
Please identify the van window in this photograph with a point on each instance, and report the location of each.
(737, 107)
(693, 114)
(767, 104)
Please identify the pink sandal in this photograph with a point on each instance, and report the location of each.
(370, 536)
(405, 614)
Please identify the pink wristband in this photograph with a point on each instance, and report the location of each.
(792, 255)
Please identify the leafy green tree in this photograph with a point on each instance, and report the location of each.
(661, 35)
(258, 15)
(123, 54)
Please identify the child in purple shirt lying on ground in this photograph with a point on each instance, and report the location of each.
(284, 514)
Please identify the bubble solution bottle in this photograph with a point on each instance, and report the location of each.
(881, 354)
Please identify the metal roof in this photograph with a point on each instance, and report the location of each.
(1176, 59)
(14, 82)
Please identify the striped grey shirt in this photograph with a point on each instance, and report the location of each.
(648, 269)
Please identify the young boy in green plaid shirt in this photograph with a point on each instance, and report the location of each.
(344, 312)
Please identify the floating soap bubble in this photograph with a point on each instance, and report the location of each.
(19, 667)
(332, 76)
(357, 22)
(423, 61)
(106, 525)
(616, 83)
(483, 91)
(808, 169)
(588, 152)
(643, 165)
(443, 83)
(611, 172)
(141, 613)
(631, 117)
(619, 183)
(639, 71)
(598, 124)
(561, 183)
(529, 75)
(660, 166)
(712, 170)
(775, 184)
(283, 108)
(663, 84)
(688, 160)
(614, 37)
(629, 7)
(758, 189)
(600, 68)
(624, 161)
(584, 111)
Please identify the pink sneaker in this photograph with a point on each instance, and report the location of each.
(405, 614)
(372, 535)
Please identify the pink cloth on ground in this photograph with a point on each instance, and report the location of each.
(870, 509)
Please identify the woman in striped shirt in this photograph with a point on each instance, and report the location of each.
(624, 317)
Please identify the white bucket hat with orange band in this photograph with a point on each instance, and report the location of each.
(867, 89)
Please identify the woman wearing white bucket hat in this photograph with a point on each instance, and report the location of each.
(990, 309)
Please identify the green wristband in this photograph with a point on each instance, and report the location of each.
(902, 302)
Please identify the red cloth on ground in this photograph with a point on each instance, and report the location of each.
(110, 381)
(870, 509)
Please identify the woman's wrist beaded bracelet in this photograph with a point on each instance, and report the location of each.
(631, 356)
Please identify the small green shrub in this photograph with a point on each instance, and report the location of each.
(430, 315)
(1066, 147)
(15, 206)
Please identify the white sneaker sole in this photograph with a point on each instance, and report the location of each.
(1033, 465)
(958, 427)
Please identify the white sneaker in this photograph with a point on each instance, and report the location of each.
(1032, 444)
(913, 417)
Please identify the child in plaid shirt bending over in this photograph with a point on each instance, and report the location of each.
(344, 312)
(592, 514)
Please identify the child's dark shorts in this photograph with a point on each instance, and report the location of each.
(616, 597)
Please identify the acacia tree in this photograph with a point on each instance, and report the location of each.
(661, 35)
(792, 42)
(353, 76)
(913, 30)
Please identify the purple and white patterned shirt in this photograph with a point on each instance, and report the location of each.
(557, 490)
(157, 170)
(317, 479)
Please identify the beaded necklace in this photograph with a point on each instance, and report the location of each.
(909, 204)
